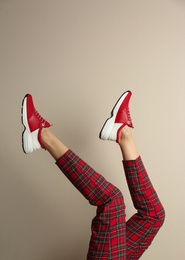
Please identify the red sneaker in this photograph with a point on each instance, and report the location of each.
(33, 124)
(120, 116)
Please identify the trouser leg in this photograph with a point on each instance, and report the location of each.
(108, 238)
(142, 227)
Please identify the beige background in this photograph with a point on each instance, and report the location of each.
(76, 58)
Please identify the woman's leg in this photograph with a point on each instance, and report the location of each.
(108, 239)
(52, 144)
(142, 227)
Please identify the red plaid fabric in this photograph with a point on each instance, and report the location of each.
(112, 237)
(142, 227)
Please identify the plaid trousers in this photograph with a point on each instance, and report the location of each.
(113, 238)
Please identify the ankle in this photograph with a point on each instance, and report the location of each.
(125, 134)
(52, 144)
(46, 136)
(127, 144)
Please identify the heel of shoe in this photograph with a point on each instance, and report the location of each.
(110, 130)
(106, 129)
(27, 142)
(30, 141)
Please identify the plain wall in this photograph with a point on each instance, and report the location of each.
(76, 58)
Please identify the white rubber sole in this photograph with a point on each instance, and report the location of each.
(29, 139)
(110, 128)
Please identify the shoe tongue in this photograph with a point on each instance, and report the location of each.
(46, 124)
(130, 124)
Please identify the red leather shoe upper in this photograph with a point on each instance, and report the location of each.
(35, 121)
(123, 114)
